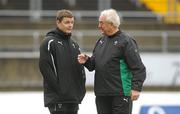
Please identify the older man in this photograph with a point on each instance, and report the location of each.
(119, 71)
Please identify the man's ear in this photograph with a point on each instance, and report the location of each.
(57, 21)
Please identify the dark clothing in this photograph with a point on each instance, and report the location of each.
(62, 112)
(66, 108)
(118, 66)
(64, 77)
(113, 105)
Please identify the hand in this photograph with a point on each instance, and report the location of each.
(134, 95)
(82, 58)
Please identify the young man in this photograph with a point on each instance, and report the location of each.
(119, 71)
(63, 76)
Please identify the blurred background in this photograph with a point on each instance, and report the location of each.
(154, 24)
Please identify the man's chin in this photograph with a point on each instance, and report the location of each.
(68, 32)
(102, 33)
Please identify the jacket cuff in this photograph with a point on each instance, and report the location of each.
(137, 86)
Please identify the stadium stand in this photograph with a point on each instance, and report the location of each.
(169, 9)
(127, 5)
(87, 4)
(54, 4)
(11, 4)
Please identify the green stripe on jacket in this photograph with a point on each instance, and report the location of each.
(126, 77)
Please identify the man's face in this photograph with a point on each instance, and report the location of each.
(104, 26)
(66, 25)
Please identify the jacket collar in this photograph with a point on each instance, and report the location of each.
(58, 33)
(118, 32)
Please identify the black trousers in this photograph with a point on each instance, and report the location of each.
(113, 105)
(64, 108)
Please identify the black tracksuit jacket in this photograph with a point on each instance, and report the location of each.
(117, 64)
(63, 76)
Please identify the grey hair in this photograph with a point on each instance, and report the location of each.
(111, 16)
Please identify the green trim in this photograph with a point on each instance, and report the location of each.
(126, 77)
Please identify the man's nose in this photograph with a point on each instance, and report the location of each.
(99, 25)
(71, 25)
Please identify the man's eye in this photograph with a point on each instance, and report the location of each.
(66, 22)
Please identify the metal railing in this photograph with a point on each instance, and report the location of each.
(37, 15)
(80, 35)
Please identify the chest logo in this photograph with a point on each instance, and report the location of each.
(115, 43)
(60, 42)
(73, 45)
(101, 42)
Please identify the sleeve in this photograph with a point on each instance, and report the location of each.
(90, 63)
(135, 65)
(47, 66)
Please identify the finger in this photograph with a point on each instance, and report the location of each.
(134, 97)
